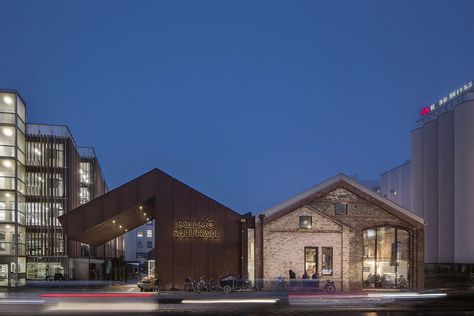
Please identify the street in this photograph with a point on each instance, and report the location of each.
(126, 299)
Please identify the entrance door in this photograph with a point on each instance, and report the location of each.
(310, 261)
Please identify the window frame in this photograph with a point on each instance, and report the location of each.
(345, 208)
(322, 261)
(316, 259)
(408, 277)
(302, 218)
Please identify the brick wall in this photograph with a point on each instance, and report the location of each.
(284, 241)
(284, 244)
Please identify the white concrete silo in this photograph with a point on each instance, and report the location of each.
(446, 187)
(430, 192)
(464, 183)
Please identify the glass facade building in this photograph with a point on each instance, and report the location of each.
(43, 175)
(12, 190)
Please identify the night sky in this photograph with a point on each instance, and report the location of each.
(249, 102)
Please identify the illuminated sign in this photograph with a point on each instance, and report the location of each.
(454, 94)
(196, 229)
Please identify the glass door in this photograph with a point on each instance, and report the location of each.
(310, 261)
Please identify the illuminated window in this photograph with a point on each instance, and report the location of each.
(326, 260)
(305, 222)
(386, 257)
(139, 233)
(2, 239)
(310, 260)
(149, 233)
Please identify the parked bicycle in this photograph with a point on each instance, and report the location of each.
(281, 284)
(329, 287)
(191, 285)
(211, 286)
(200, 285)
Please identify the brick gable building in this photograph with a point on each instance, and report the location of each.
(342, 231)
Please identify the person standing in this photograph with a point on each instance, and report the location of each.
(292, 275)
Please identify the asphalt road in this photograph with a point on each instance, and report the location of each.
(101, 299)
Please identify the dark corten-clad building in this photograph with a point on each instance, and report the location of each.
(194, 235)
(341, 230)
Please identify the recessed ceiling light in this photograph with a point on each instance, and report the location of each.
(7, 164)
(120, 226)
(113, 221)
(7, 132)
(147, 219)
(8, 226)
(7, 194)
(126, 230)
(7, 99)
(141, 207)
(144, 214)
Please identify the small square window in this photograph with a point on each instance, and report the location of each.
(341, 209)
(305, 222)
(149, 244)
(140, 233)
(149, 233)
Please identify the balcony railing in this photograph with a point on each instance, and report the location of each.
(86, 152)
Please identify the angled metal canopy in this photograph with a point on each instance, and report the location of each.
(115, 212)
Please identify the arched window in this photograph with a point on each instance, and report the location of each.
(386, 258)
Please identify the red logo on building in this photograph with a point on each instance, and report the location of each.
(425, 111)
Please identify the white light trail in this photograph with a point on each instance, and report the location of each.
(232, 301)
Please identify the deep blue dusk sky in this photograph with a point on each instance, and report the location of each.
(249, 102)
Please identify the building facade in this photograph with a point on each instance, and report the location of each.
(12, 190)
(342, 231)
(440, 176)
(194, 235)
(138, 243)
(337, 230)
(443, 177)
(395, 185)
(49, 176)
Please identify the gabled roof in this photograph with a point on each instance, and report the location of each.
(131, 205)
(331, 184)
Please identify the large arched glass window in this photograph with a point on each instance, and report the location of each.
(386, 259)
